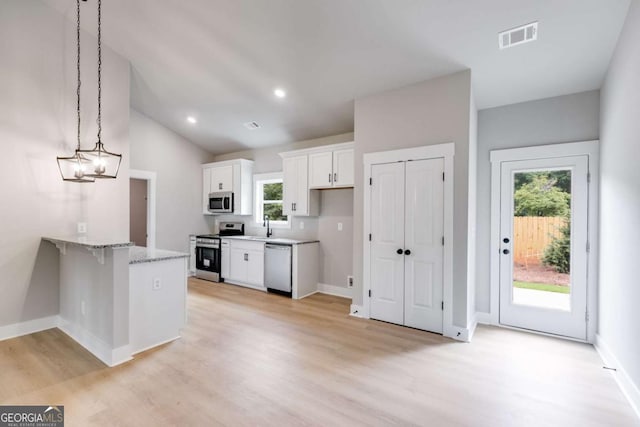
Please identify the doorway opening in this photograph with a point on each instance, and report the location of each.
(142, 208)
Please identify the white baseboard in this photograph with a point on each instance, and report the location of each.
(156, 345)
(626, 384)
(308, 295)
(457, 333)
(356, 311)
(338, 291)
(472, 327)
(484, 318)
(29, 327)
(109, 356)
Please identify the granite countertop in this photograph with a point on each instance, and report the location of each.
(90, 242)
(138, 255)
(275, 240)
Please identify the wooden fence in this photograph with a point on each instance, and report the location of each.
(532, 234)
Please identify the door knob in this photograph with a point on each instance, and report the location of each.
(505, 251)
(407, 252)
(399, 251)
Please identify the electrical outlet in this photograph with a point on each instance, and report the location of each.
(83, 308)
(349, 281)
(157, 285)
(339, 226)
(82, 227)
(301, 225)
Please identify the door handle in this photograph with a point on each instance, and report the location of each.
(505, 251)
(399, 251)
(407, 252)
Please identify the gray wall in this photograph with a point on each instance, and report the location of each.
(433, 112)
(336, 206)
(176, 162)
(37, 123)
(561, 119)
(619, 317)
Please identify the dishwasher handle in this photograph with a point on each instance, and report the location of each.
(278, 247)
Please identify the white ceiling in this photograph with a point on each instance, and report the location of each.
(219, 60)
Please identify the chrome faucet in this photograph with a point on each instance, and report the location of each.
(265, 223)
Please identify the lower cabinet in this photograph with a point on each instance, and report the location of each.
(246, 263)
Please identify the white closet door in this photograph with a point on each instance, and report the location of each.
(387, 238)
(424, 251)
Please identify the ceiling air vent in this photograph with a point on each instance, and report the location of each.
(251, 125)
(515, 36)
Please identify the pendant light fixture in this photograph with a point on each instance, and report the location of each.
(103, 163)
(75, 168)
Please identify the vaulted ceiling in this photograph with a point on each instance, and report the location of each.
(220, 60)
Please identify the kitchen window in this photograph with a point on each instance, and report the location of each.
(268, 200)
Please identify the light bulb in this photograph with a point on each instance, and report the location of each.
(78, 170)
(100, 165)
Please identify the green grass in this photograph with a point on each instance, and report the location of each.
(542, 287)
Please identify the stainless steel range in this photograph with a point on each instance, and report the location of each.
(208, 253)
(208, 257)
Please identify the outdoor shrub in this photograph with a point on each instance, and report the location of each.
(558, 253)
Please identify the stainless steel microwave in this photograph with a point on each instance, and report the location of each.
(221, 202)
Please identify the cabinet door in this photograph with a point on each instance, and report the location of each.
(289, 185)
(237, 264)
(387, 242)
(343, 168)
(321, 170)
(206, 189)
(225, 261)
(255, 268)
(222, 179)
(301, 206)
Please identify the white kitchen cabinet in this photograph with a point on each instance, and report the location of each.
(321, 170)
(331, 168)
(343, 168)
(297, 200)
(246, 263)
(232, 175)
(221, 178)
(225, 258)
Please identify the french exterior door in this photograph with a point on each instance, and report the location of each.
(544, 245)
(407, 226)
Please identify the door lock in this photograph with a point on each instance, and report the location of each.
(407, 252)
(399, 251)
(505, 251)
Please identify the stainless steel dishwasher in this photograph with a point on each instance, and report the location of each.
(277, 268)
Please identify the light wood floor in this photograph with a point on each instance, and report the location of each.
(249, 358)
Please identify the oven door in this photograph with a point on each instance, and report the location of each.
(221, 202)
(208, 262)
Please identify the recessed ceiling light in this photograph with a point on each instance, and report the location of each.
(192, 120)
(280, 93)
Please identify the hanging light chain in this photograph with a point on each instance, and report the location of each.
(99, 70)
(78, 68)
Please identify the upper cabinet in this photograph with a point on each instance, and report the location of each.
(332, 168)
(296, 199)
(309, 170)
(234, 176)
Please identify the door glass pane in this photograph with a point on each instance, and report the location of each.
(542, 239)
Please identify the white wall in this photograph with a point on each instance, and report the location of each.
(619, 317)
(37, 123)
(336, 206)
(176, 162)
(433, 112)
(568, 118)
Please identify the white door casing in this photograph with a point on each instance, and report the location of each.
(424, 234)
(387, 238)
